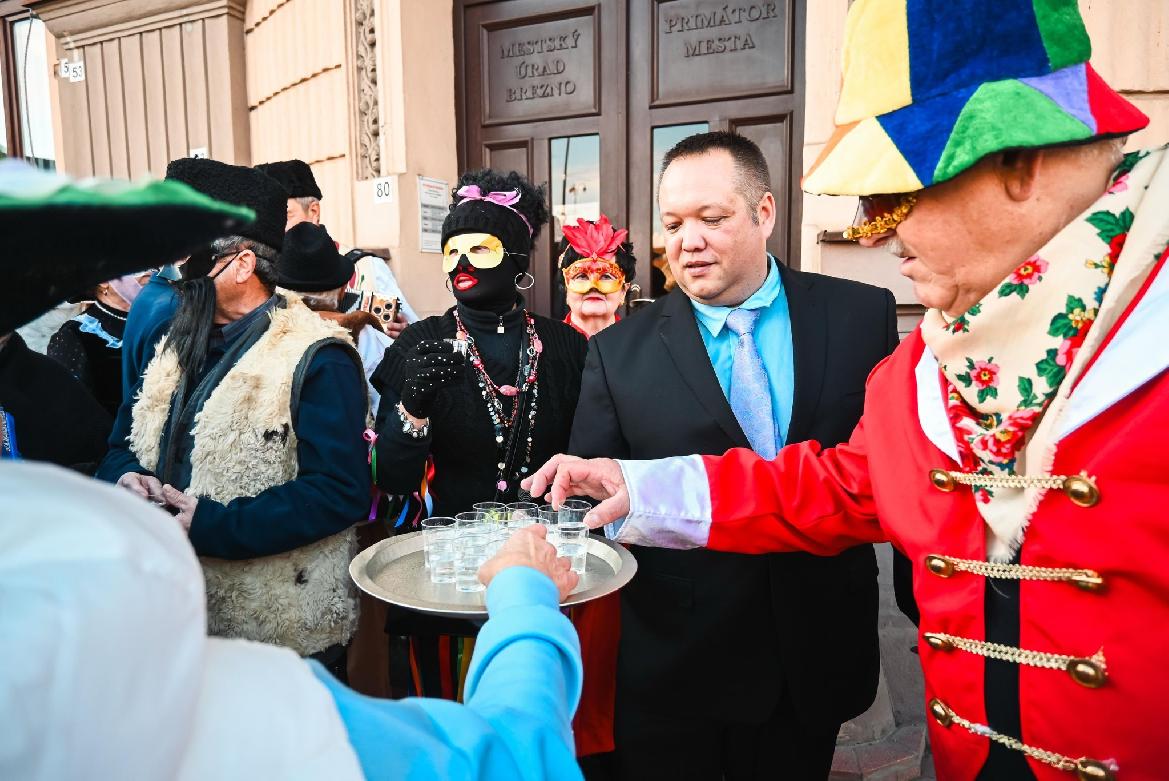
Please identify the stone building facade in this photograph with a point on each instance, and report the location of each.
(582, 95)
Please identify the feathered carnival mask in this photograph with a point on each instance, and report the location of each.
(597, 244)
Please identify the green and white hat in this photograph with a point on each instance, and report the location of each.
(59, 237)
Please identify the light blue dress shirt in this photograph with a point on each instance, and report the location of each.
(773, 337)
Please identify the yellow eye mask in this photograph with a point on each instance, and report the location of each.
(594, 274)
(482, 249)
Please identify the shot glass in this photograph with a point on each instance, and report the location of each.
(459, 346)
(521, 514)
(443, 554)
(572, 543)
(471, 550)
(472, 519)
(493, 512)
(430, 529)
(498, 534)
(550, 520)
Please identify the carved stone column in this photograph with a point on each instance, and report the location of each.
(368, 119)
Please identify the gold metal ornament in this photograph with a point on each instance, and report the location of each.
(882, 223)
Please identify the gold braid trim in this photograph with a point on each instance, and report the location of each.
(1008, 481)
(1085, 767)
(1009, 653)
(991, 569)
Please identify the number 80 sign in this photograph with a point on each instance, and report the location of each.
(383, 189)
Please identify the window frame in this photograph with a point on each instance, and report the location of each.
(11, 12)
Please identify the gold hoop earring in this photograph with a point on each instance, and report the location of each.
(531, 282)
(447, 283)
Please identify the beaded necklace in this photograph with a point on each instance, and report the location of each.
(506, 424)
(110, 312)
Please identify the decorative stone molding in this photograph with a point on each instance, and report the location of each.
(86, 22)
(369, 155)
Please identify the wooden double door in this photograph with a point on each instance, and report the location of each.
(586, 96)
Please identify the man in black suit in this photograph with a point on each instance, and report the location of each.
(735, 666)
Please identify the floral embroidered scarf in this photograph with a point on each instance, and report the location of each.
(1005, 359)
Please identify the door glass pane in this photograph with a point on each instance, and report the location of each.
(772, 140)
(575, 180)
(32, 78)
(664, 138)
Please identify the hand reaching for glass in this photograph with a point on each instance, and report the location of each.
(600, 478)
(528, 547)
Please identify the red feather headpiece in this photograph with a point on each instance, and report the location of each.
(594, 240)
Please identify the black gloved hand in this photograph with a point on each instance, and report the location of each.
(433, 365)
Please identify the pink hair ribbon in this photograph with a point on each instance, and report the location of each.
(508, 199)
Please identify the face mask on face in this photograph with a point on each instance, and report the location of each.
(492, 289)
(481, 271)
(128, 287)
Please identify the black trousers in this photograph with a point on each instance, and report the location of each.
(686, 748)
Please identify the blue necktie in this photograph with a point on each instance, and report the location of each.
(750, 392)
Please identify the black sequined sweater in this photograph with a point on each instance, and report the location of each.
(462, 439)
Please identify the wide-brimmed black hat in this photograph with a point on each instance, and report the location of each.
(239, 185)
(295, 176)
(58, 238)
(310, 262)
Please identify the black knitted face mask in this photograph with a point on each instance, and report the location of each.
(487, 289)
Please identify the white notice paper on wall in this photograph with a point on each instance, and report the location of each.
(383, 189)
(433, 197)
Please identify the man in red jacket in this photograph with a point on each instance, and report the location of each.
(1012, 446)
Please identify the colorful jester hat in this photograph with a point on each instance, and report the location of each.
(595, 239)
(930, 87)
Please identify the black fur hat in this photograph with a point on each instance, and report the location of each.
(295, 176)
(310, 262)
(504, 222)
(240, 185)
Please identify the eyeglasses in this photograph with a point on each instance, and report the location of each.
(597, 274)
(216, 258)
(877, 214)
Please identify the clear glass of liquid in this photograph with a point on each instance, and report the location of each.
(442, 561)
(572, 543)
(550, 520)
(430, 529)
(471, 550)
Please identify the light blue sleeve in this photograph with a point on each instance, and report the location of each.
(522, 688)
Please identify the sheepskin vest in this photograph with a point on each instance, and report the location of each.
(244, 443)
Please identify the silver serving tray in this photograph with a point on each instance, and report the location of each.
(394, 571)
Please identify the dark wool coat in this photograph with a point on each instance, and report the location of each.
(56, 419)
(462, 440)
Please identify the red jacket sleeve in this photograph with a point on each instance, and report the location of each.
(807, 499)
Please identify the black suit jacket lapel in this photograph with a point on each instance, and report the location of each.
(809, 323)
(678, 330)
